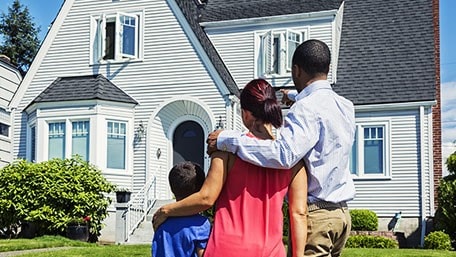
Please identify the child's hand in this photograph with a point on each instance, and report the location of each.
(158, 218)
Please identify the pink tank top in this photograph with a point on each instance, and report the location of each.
(248, 221)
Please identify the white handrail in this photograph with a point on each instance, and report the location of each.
(139, 206)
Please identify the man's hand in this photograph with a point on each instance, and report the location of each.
(212, 141)
(285, 100)
(158, 219)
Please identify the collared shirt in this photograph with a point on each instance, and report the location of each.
(319, 128)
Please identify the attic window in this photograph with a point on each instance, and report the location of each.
(116, 37)
(4, 130)
(276, 50)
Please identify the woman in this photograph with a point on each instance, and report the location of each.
(248, 218)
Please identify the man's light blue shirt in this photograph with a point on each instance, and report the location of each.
(319, 128)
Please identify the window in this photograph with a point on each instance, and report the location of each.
(276, 51)
(4, 130)
(116, 37)
(57, 140)
(80, 139)
(370, 151)
(33, 144)
(116, 147)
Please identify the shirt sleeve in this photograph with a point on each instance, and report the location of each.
(203, 235)
(295, 139)
(292, 95)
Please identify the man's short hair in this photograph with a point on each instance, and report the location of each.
(186, 178)
(313, 56)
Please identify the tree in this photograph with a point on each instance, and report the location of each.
(445, 215)
(20, 36)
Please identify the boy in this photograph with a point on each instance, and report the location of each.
(185, 236)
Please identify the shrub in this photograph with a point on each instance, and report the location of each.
(365, 241)
(364, 220)
(437, 240)
(52, 193)
(445, 215)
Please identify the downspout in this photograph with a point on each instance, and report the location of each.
(423, 177)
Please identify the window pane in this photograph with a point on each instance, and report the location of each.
(354, 156)
(275, 54)
(4, 130)
(33, 144)
(116, 145)
(128, 35)
(57, 140)
(373, 156)
(110, 40)
(293, 42)
(80, 139)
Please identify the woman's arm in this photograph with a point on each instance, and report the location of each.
(297, 196)
(201, 200)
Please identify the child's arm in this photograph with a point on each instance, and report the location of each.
(199, 252)
(201, 200)
(297, 195)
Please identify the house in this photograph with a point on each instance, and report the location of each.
(136, 86)
(385, 58)
(10, 78)
(133, 87)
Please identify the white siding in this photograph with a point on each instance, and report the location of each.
(237, 47)
(400, 192)
(170, 67)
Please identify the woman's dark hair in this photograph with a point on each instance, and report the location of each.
(186, 178)
(313, 56)
(259, 98)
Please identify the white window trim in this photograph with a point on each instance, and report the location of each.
(127, 143)
(283, 70)
(99, 21)
(360, 124)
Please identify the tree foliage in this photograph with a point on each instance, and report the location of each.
(20, 36)
(445, 215)
(51, 194)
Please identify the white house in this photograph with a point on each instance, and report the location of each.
(10, 78)
(384, 59)
(136, 86)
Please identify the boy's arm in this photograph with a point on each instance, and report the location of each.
(199, 252)
(201, 200)
(297, 195)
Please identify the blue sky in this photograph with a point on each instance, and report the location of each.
(44, 12)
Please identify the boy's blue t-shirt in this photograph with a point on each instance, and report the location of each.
(180, 236)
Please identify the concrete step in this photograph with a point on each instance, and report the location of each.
(144, 233)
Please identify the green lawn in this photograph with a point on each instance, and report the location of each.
(79, 249)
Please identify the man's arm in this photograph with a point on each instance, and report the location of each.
(298, 135)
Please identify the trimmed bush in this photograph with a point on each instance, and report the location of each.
(363, 220)
(52, 193)
(438, 240)
(364, 241)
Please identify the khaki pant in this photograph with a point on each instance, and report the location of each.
(328, 229)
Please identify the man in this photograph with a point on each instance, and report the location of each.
(319, 129)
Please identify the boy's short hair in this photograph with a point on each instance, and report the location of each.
(186, 178)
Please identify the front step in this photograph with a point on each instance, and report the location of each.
(144, 233)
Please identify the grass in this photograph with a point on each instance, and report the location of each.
(80, 249)
(39, 242)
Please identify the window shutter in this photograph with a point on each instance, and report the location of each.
(266, 53)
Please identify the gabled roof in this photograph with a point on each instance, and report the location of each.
(191, 13)
(387, 52)
(88, 87)
(220, 10)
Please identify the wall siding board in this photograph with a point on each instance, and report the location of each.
(400, 192)
(170, 67)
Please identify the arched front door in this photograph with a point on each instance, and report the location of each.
(188, 143)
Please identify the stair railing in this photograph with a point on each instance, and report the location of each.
(139, 205)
